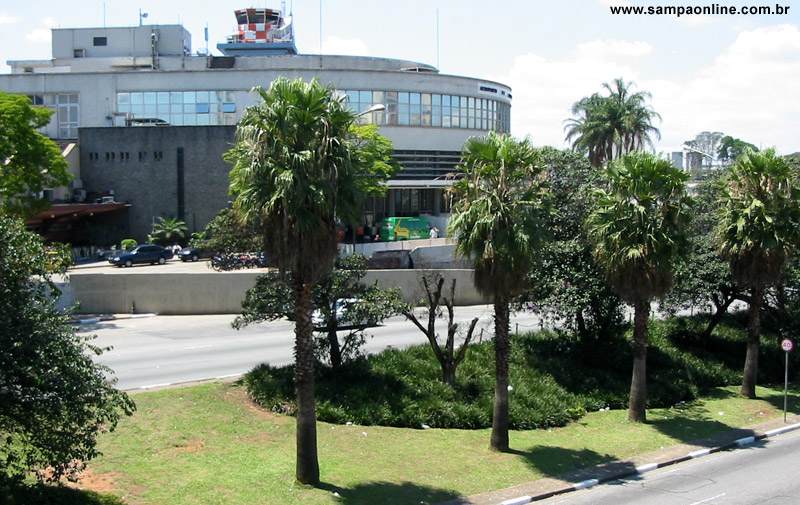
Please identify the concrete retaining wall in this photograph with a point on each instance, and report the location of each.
(215, 292)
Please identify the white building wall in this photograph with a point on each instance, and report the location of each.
(98, 90)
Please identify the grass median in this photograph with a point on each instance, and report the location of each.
(210, 444)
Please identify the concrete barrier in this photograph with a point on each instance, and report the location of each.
(214, 292)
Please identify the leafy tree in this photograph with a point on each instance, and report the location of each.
(295, 174)
(54, 400)
(449, 358)
(703, 150)
(703, 278)
(29, 161)
(731, 148)
(759, 227)
(169, 230)
(606, 127)
(197, 239)
(637, 230)
(373, 152)
(565, 283)
(226, 233)
(499, 222)
(271, 299)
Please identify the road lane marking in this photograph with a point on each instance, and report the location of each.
(707, 499)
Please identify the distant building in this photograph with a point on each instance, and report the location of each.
(151, 120)
(677, 160)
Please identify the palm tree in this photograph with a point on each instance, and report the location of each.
(293, 172)
(606, 127)
(637, 232)
(758, 229)
(498, 223)
(169, 230)
(592, 129)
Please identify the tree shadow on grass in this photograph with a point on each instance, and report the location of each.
(17, 493)
(792, 401)
(701, 432)
(576, 466)
(388, 493)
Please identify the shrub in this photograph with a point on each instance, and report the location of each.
(128, 244)
(556, 378)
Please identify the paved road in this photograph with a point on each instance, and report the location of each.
(160, 350)
(763, 473)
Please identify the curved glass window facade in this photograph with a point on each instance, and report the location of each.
(402, 108)
(181, 107)
(430, 109)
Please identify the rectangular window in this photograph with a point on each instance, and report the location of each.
(100, 41)
(228, 107)
(67, 114)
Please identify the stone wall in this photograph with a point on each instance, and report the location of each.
(158, 168)
(215, 292)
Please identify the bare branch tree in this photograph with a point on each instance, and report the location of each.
(449, 358)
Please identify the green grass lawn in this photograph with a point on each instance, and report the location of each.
(210, 445)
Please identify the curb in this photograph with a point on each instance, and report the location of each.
(109, 317)
(742, 442)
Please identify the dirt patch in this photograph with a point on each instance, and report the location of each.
(106, 483)
(239, 395)
(99, 483)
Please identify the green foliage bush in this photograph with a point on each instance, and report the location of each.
(128, 244)
(556, 378)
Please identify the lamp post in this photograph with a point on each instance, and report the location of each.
(378, 107)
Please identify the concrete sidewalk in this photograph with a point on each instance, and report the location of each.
(580, 479)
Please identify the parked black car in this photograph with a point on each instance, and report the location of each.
(145, 253)
(192, 254)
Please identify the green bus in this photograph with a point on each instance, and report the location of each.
(404, 228)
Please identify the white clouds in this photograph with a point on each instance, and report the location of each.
(612, 48)
(748, 91)
(42, 35)
(38, 36)
(7, 19)
(545, 90)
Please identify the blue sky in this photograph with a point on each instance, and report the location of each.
(736, 74)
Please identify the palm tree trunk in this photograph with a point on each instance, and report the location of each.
(335, 349)
(307, 471)
(502, 347)
(750, 375)
(638, 398)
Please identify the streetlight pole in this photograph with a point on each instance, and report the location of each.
(378, 107)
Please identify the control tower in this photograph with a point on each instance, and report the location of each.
(261, 32)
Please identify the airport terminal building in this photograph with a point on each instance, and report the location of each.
(145, 121)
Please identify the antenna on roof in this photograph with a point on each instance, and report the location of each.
(437, 39)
